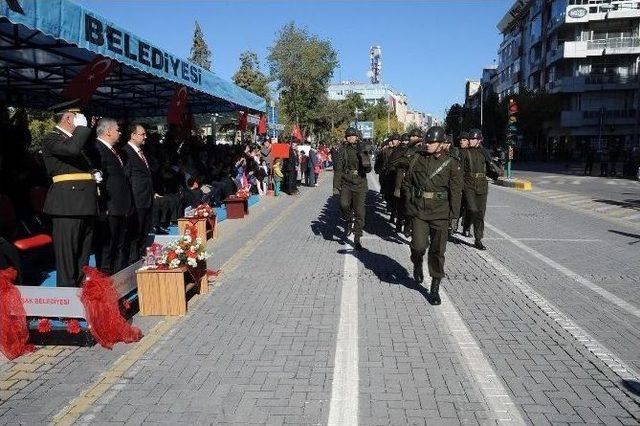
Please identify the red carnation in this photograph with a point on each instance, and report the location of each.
(44, 325)
(73, 326)
(171, 256)
(126, 304)
(192, 254)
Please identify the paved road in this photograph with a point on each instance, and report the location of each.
(543, 327)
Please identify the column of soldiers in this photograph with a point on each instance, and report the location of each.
(428, 185)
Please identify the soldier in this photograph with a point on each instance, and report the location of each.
(453, 152)
(476, 187)
(433, 183)
(387, 178)
(463, 139)
(401, 165)
(72, 198)
(350, 170)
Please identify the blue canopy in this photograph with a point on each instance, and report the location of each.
(45, 43)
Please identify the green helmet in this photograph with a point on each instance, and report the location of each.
(394, 136)
(351, 131)
(435, 134)
(404, 137)
(475, 134)
(463, 135)
(416, 132)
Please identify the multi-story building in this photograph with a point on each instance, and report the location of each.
(372, 93)
(586, 50)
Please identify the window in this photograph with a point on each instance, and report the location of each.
(535, 28)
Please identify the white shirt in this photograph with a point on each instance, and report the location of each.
(112, 149)
(139, 152)
(64, 131)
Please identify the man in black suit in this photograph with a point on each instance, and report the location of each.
(138, 172)
(71, 200)
(114, 201)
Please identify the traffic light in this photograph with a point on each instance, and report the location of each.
(512, 125)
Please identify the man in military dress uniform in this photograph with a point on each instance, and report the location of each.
(432, 184)
(387, 178)
(72, 198)
(476, 187)
(350, 170)
(401, 164)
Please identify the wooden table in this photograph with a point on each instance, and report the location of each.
(164, 291)
(206, 227)
(236, 207)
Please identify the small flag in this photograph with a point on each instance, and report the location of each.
(243, 118)
(175, 115)
(262, 125)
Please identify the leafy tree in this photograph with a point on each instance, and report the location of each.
(200, 53)
(249, 75)
(302, 64)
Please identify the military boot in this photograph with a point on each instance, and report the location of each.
(478, 244)
(408, 228)
(434, 293)
(466, 233)
(418, 275)
(357, 245)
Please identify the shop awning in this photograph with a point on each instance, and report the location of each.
(45, 43)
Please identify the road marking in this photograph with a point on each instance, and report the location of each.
(591, 344)
(569, 273)
(605, 208)
(632, 217)
(553, 240)
(343, 408)
(111, 378)
(491, 386)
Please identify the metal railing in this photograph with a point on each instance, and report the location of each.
(611, 79)
(610, 113)
(613, 43)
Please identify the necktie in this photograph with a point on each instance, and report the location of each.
(117, 156)
(143, 158)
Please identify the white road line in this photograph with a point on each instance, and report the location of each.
(601, 352)
(490, 384)
(605, 208)
(343, 408)
(569, 273)
(632, 217)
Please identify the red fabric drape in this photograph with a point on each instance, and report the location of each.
(175, 114)
(83, 85)
(102, 311)
(243, 120)
(14, 332)
(262, 125)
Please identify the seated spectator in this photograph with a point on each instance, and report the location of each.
(193, 196)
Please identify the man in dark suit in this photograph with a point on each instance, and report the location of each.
(138, 171)
(114, 201)
(71, 200)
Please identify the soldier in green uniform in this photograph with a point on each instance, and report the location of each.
(401, 164)
(387, 178)
(433, 183)
(455, 153)
(476, 187)
(350, 183)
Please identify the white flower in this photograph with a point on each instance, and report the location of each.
(187, 239)
(179, 250)
(192, 262)
(174, 263)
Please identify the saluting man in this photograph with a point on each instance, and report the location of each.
(432, 184)
(350, 170)
(72, 198)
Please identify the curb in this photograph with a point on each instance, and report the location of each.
(522, 185)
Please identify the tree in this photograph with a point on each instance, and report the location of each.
(302, 65)
(249, 75)
(200, 53)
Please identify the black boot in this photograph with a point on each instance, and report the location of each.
(357, 244)
(478, 244)
(434, 293)
(466, 233)
(407, 229)
(418, 275)
(399, 224)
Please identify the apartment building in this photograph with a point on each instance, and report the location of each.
(586, 50)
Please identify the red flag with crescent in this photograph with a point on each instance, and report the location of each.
(262, 125)
(243, 120)
(296, 133)
(83, 85)
(177, 106)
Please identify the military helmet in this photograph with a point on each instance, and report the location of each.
(394, 136)
(415, 132)
(435, 134)
(404, 137)
(463, 135)
(351, 131)
(475, 134)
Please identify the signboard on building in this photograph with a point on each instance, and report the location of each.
(365, 127)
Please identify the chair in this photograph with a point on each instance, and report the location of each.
(10, 229)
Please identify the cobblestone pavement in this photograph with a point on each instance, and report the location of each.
(541, 328)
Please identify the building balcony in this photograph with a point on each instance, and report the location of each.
(609, 46)
(618, 117)
(592, 83)
(555, 54)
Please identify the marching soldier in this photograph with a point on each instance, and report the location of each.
(350, 183)
(453, 152)
(401, 166)
(387, 178)
(432, 184)
(72, 198)
(476, 187)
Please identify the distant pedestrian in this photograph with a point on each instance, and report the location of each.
(588, 165)
(277, 176)
(604, 162)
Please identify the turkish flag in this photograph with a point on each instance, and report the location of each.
(296, 133)
(89, 79)
(175, 115)
(243, 119)
(262, 125)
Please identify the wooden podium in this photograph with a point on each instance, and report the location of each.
(236, 207)
(205, 227)
(164, 291)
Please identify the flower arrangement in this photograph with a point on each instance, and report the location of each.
(185, 251)
(243, 193)
(203, 211)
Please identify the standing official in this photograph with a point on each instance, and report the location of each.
(71, 200)
(114, 201)
(432, 185)
(138, 173)
(350, 169)
(476, 187)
